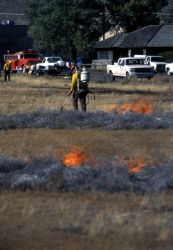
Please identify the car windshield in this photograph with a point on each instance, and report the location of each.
(157, 59)
(53, 59)
(135, 61)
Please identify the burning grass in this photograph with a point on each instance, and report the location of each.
(27, 94)
(108, 175)
(90, 196)
(137, 113)
(138, 106)
(75, 157)
(151, 146)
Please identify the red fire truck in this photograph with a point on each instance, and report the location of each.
(22, 59)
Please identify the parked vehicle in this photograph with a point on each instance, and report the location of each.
(157, 62)
(50, 63)
(84, 61)
(169, 68)
(129, 67)
(22, 59)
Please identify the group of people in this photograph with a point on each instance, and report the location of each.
(78, 90)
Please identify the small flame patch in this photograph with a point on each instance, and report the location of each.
(75, 157)
(135, 165)
(139, 106)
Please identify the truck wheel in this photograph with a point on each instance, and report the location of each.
(127, 76)
(110, 77)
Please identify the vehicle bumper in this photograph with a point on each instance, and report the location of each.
(141, 75)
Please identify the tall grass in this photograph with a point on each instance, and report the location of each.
(28, 93)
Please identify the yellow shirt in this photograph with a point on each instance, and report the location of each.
(7, 66)
(74, 83)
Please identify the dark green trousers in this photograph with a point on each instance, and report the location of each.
(81, 96)
(7, 75)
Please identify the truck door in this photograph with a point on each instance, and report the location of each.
(117, 69)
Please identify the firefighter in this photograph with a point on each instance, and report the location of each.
(7, 71)
(78, 93)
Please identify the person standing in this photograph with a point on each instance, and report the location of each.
(78, 92)
(7, 71)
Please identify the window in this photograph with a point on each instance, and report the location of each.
(121, 63)
(103, 54)
(135, 62)
(157, 59)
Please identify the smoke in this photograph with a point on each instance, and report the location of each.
(106, 175)
(66, 119)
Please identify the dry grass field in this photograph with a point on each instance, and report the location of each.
(25, 94)
(86, 220)
(125, 221)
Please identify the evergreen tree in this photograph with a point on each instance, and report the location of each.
(68, 26)
(64, 26)
(134, 14)
(166, 14)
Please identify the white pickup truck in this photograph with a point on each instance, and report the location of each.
(50, 62)
(169, 68)
(157, 62)
(129, 67)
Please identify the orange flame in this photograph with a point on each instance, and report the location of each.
(135, 165)
(75, 157)
(139, 106)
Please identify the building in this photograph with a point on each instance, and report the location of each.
(13, 28)
(152, 39)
